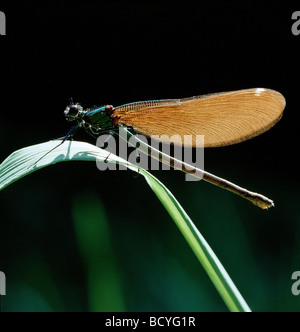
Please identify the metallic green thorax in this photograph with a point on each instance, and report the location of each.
(98, 119)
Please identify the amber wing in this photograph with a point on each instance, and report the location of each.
(223, 118)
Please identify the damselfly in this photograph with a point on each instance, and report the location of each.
(223, 118)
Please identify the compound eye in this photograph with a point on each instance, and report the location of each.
(73, 110)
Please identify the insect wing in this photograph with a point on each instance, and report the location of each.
(223, 118)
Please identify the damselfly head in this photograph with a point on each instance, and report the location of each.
(72, 112)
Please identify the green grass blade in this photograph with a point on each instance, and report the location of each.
(22, 163)
(202, 250)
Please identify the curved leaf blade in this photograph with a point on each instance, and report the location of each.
(24, 161)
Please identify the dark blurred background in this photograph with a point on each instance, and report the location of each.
(75, 239)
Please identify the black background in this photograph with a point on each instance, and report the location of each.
(111, 52)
